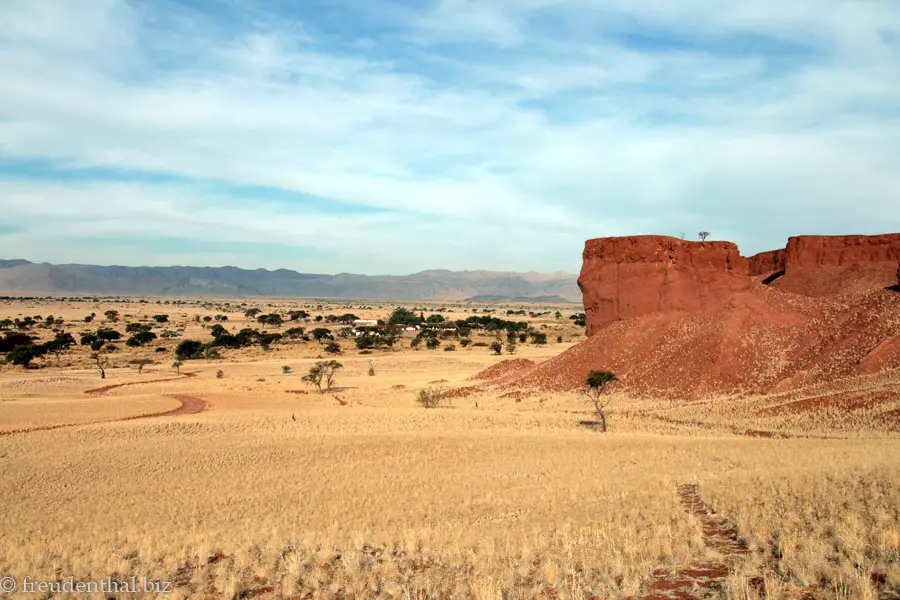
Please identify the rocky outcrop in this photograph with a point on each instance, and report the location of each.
(819, 265)
(626, 277)
(680, 319)
(765, 264)
(818, 251)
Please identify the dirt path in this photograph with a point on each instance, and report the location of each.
(703, 578)
(107, 388)
(189, 405)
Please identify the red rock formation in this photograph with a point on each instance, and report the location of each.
(817, 251)
(684, 319)
(626, 277)
(767, 263)
(818, 265)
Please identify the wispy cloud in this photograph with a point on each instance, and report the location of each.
(390, 137)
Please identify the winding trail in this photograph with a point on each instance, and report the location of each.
(703, 578)
(188, 405)
(108, 388)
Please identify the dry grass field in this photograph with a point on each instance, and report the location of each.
(276, 490)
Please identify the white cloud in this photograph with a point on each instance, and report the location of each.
(500, 133)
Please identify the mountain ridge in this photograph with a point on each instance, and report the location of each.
(19, 276)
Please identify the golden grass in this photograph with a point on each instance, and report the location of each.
(382, 498)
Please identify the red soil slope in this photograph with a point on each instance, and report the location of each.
(504, 368)
(652, 324)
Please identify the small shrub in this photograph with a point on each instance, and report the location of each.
(449, 348)
(465, 342)
(286, 370)
(431, 398)
(480, 345)
(496, 348)
(332, 348)
(161, 349)
(220, 374)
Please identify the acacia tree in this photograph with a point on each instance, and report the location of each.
(703, 235)
(322, 373)
(596, 383)
(60, 344)
(101, 361)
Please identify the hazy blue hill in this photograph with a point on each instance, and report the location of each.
(23, 277)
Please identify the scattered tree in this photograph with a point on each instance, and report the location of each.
(23, 355)
(371, 369)
(189, 349)
(496, 348)
(322, 374)
(161, 318)
(539, 338)
(11, 339)
(140, 363)
(60, 344)
(404, 316)
(101, 361)
(596, 383)
(285, 369)
(273, 319)
(177, 366)
(141, 338)
(332, 348)
(112, 316)
(432, 343)
(321, 333)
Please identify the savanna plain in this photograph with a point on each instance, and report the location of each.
(232, 477)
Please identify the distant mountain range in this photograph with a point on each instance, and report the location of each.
(21, 277)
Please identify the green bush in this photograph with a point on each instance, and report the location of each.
(431, 398)
(188, 349)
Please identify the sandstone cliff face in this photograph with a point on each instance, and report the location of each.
(817, 265)
(626, 277)
(767, 263)
(817, 251)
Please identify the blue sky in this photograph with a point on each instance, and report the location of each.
(381, 136)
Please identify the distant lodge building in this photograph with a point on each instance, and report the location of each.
(361, 326)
